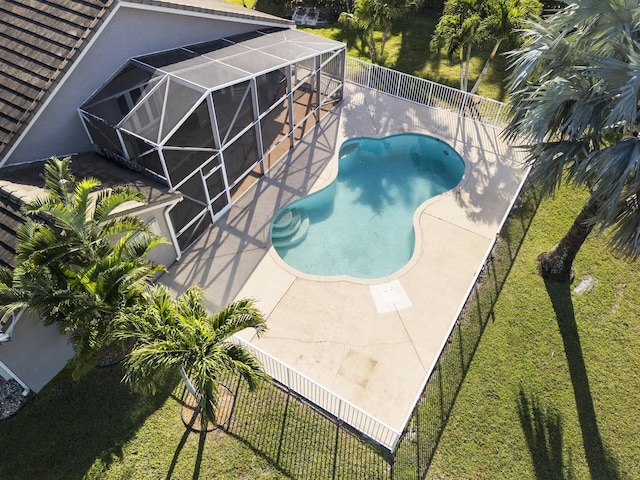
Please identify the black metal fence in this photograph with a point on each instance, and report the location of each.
(302, 441)
(424, 429)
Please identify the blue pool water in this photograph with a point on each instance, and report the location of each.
(361, 225)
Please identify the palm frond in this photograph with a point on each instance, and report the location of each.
(122, 225)
(243, 362)
(180, 333)
(59, 180)
(237, 316)
(191, 304)
(108, 201)
(575, 96)
(6, 277)
(82, 196)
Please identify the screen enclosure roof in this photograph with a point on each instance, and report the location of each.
(227, 61)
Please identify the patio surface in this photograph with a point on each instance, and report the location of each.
(372, 343)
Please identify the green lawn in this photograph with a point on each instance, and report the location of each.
(96, 428)
(547, 396)
(552, 394)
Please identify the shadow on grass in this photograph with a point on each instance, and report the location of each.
(176, 454)
(198, 463)
(542, 428)
(351, 36)
(298, 439)
(70, 426)
(601, 464)
(414, 53)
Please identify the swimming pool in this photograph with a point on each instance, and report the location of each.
(361, 225)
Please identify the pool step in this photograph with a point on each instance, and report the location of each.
(290, 229)
(287, 223)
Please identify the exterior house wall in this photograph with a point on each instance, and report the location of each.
(162, 254)
(129, 32)
(36, 353)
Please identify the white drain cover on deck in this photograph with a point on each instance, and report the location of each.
(389, 297)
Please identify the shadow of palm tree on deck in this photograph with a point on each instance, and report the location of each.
(601, 464)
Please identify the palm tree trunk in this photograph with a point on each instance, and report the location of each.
(192, 390)
(383, 42)
(466, 67)
(372, 47)
(462, 70)
(485, 69)
(556, 264)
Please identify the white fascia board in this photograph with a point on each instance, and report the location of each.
(145, 208)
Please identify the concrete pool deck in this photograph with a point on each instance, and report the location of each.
(373, 343)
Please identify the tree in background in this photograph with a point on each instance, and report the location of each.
(459, 28)
(574, 100)
(78, 263)
(369, 16)
(503, 20)
(181, 335)
(465, 23)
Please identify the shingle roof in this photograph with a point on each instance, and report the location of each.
(10, 219)
(26, 181)
(40, 39)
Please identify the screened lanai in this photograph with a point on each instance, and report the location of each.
(209, 119)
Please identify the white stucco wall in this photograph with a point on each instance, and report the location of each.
(162, 254)
(36, 353)
(129, 32)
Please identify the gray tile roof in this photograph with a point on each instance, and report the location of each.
(39, 40)
(10, 219)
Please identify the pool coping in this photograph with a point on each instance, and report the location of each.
(415, 221)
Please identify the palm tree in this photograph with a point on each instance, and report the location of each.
(459, 27)
(575, 90)
(78, 265)
(371, 15)
(179, 334)
(504, 19)
(81, 226)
